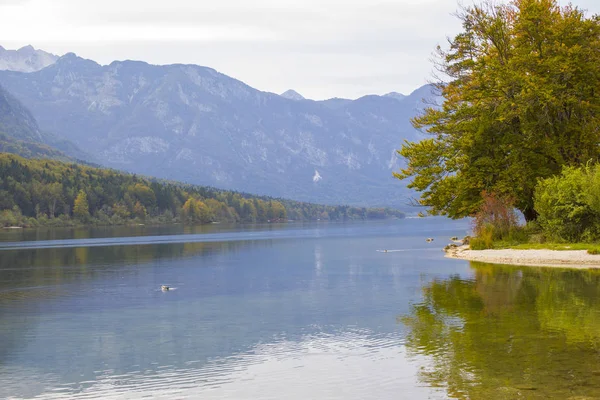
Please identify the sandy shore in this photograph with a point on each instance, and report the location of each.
(534, 258)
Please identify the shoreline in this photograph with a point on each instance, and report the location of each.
(577, 259)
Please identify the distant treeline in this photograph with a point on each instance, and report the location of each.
(48, 192)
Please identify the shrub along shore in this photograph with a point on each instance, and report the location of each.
(565, 233)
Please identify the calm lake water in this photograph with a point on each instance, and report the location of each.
(290, 311)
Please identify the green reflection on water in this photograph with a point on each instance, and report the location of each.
(43, 267)
(30, 278)
(511, 332)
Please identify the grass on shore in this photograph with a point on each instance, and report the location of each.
(527, 238)
(592, 248)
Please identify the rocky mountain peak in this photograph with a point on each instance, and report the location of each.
(395, 95)
(292, 95)
(71, 57)
(29, 49)
(25, 59)
(73, 66)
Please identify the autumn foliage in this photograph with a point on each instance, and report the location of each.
(49, 192)
(521, 101)
(495, 220)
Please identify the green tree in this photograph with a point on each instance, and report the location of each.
(195, 210)
(120, 210)
(276, 211)
(521, 101)
(261, 210)
(143, 194)
(569, 204)
(139, 210)
(53, 195)
(81, 208)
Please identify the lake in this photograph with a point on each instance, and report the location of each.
(294, 311)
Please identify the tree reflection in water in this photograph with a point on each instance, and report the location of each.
(510, 332)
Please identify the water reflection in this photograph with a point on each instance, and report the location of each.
(95, 232)
(510, 333)
(296, 312)
(44, 267)
(346, 365)
(37, 283)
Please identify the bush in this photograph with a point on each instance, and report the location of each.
(484, 239)
(12, 217)
(537, 238)
(518, 235)
(568, 206)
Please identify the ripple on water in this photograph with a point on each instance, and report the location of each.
(318, 366)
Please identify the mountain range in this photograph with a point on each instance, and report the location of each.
(194, 124)
(25, 59)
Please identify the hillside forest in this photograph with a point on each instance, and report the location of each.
(37, 192)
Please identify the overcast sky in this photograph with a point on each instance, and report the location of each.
(321, 48)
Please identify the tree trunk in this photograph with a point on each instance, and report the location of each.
(53, 209)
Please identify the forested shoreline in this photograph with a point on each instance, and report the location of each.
(43, 192)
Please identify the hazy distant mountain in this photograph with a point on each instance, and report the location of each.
(191, 123)
(336, 103)
(395, 95)
(20, 133)
(16, 120)
(423, 97)
(292, 95)
(26, 59)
